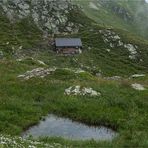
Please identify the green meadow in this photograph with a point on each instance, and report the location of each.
(23, 103)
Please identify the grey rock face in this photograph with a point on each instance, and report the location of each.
(48, 15)
(114, 40)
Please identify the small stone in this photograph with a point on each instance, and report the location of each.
(112, 45)
(138, 87)
(98, 74)
(116, 37)
(20, 47)
(41, 62)
(108, 50)
(138, 75)
(79, 71)
(113, 78)
(19, 60)
(89, 48)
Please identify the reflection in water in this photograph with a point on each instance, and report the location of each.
(54, 126)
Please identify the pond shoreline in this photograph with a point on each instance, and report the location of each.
(54, 126)
(105, 124)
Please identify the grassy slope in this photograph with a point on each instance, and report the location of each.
(23, 33)
(26, 34)
(102, 16)
(23, 103)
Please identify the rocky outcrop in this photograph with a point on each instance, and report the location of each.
(82, 91)
(114, 40)
(38, 72)
(51, 16)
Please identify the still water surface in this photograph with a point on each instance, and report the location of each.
(54, 126)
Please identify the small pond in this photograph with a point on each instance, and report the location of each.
(54, 126)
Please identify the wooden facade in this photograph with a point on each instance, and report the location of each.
(68, 45)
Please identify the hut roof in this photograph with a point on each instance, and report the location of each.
(68, 42)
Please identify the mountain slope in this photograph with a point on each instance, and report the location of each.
(125, 14)
(34, 78)
(111, 50)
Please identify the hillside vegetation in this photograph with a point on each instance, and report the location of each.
(34, 78)
(99, 55)
(129, 15)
